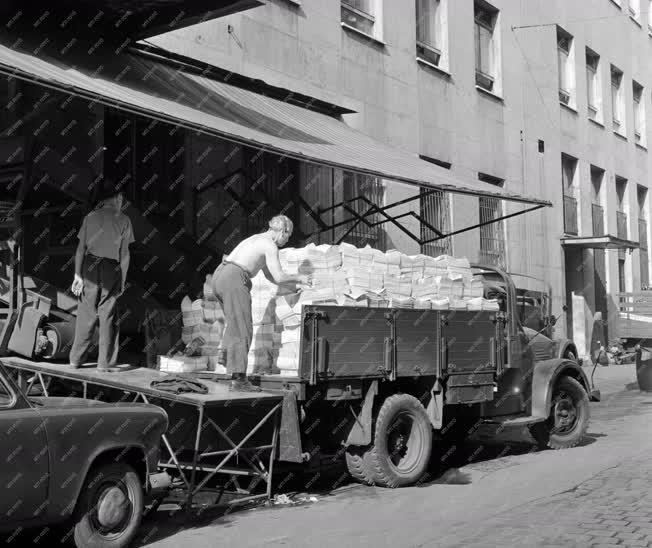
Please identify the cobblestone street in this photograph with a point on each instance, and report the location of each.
(594, 495)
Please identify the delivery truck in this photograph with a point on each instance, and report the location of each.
(382, 386)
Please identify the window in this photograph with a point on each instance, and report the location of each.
(432, 34)
(621, 208)
(565, 67)
(597, 211)
(362, 15)
(492, 236)
(622, 287)
(593, 85)
(487, 47)
(617, 101)
(639, 114)
(353, 186)
(568, 172)
(435, 211)
(642, 236)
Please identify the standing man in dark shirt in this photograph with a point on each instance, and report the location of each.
(101, 265)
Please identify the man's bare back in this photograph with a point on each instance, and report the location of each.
(260, 252)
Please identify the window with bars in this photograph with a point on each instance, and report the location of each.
(593, 86)
(492, 236)
(431, 31)
(639, 114)
(486, 46)
(353, 186)
(435, 210)
(565, 67)
(360, 14)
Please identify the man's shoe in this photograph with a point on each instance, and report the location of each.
(243, 385)
(108, 369)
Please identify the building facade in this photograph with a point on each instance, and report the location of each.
(545, 98)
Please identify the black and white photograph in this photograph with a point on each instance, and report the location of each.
(325, 273)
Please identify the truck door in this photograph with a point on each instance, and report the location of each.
(469, 354)
(24, 456)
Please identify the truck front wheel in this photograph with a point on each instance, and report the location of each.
(402, 443)
(569, 416)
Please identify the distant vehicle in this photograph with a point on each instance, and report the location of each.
(77, 462)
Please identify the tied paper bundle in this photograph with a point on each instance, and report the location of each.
(365, 280)
(425, 288)
(288, 311)
(398, 286)
(435, 266)
(350, 256)
(473, 288)
(425, 304)
(310, 259)
(458, 268)
(263, 293)
(402, 303)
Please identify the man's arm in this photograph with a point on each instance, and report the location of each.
(78, 281)
(124, 263)
(276, 271)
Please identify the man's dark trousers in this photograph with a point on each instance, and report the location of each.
(102, 287)
(232, 286)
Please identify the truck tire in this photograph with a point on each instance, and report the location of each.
(402, 445)
(569, 416)
(110, 507)
(357, 463)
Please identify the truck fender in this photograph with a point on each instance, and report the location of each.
(563, 345)
(545, 376)
(361, 430)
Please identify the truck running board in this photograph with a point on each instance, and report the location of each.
(514, 421)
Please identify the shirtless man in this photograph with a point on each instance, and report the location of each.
(232, 286)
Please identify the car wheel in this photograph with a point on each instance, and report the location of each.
(109, 508)
(402, 443)
(569, 416)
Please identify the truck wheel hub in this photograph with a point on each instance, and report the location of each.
(112, 507)
(565, 413)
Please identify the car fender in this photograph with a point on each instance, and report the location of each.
(79, 437)
(544, 377)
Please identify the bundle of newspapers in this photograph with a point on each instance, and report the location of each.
(345, 275)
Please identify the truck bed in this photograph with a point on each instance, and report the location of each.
(341, 343)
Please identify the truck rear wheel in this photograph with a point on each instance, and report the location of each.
(357, 463)
(402, 443)
(569, 416)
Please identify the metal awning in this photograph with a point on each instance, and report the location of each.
(135, 19)
(599, 242)
(133, 82)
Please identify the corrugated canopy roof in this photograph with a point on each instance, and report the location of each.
(130, 81)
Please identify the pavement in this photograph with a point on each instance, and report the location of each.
(487, 495)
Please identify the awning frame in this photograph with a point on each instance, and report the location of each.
(375, 209)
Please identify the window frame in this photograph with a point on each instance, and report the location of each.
(566, 73)
(618, 114)
(638, 103)
(424, 49)
(491, 81)
(375, 18)
(594, 86)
